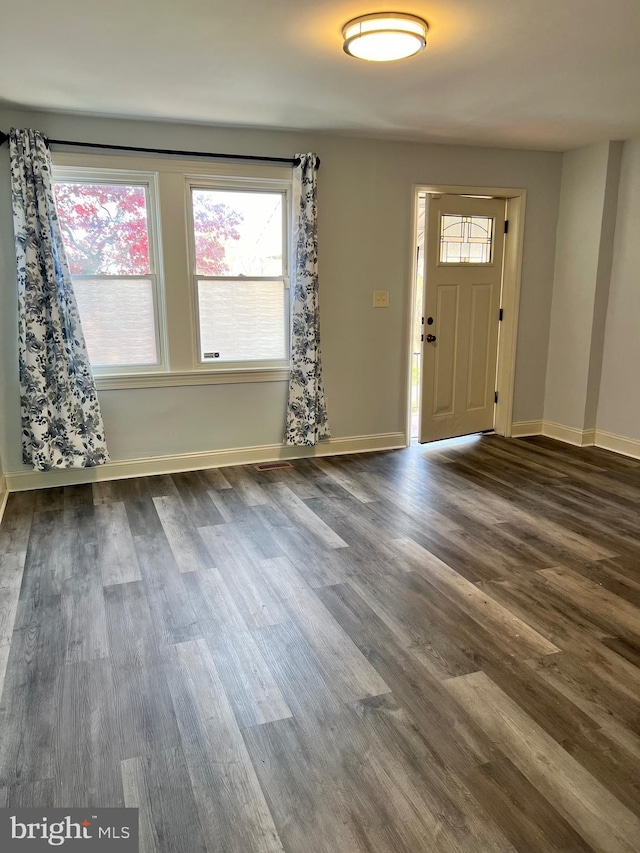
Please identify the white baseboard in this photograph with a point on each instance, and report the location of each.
(570, 435)
(4, 494)
(18, 481)
(618, 443)
(579, 438)
(521, 429)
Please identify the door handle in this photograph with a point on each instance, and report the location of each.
(431, 339)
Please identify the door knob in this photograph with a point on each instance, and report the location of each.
(431, 339)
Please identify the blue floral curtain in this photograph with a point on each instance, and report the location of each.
(307, 409)
(61, 420)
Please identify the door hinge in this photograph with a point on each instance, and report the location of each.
(506, 226)
(500, 315)
(495, 397)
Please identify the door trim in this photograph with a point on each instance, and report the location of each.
(516, 198)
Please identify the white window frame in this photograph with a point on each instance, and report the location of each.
(148, 180)
(249, 185)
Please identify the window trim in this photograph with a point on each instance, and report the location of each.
(148, 180)
(244, 184)
(116, 382)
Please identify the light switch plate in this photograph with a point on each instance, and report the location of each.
(380, 298)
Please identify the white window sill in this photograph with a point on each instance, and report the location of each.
(201, 377)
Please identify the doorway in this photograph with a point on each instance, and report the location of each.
(416, 323)
(467, 258)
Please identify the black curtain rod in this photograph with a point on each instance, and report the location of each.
(291, 161)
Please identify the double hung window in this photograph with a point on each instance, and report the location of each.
(240, 271)
(108, 228)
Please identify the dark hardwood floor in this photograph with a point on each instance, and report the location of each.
(423, 650)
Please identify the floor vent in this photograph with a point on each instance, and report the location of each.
(272, 466)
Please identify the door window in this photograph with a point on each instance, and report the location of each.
(466, 239)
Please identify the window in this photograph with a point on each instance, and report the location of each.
(180, 267)
(240, 273)
(108, 231)
(465, 239)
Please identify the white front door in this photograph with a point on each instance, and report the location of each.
(463, 282)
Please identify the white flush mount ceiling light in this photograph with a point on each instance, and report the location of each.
(384, 36)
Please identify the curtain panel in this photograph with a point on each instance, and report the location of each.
(61, 419)
(307, 421)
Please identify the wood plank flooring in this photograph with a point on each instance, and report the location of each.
(434, 650)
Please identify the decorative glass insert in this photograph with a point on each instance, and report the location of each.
(465, 239)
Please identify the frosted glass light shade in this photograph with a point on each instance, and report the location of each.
(384, 36)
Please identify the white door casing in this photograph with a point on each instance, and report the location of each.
(459, 349)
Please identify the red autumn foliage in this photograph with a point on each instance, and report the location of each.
(104, 227)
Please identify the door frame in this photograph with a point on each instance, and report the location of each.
(516, 198)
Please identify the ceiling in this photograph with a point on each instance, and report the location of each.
(549, 74)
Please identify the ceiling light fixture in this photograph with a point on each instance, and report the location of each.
(385, 36)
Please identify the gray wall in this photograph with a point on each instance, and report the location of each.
(3, 489)
(619, 405)
(584, 244)
(365, 205)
